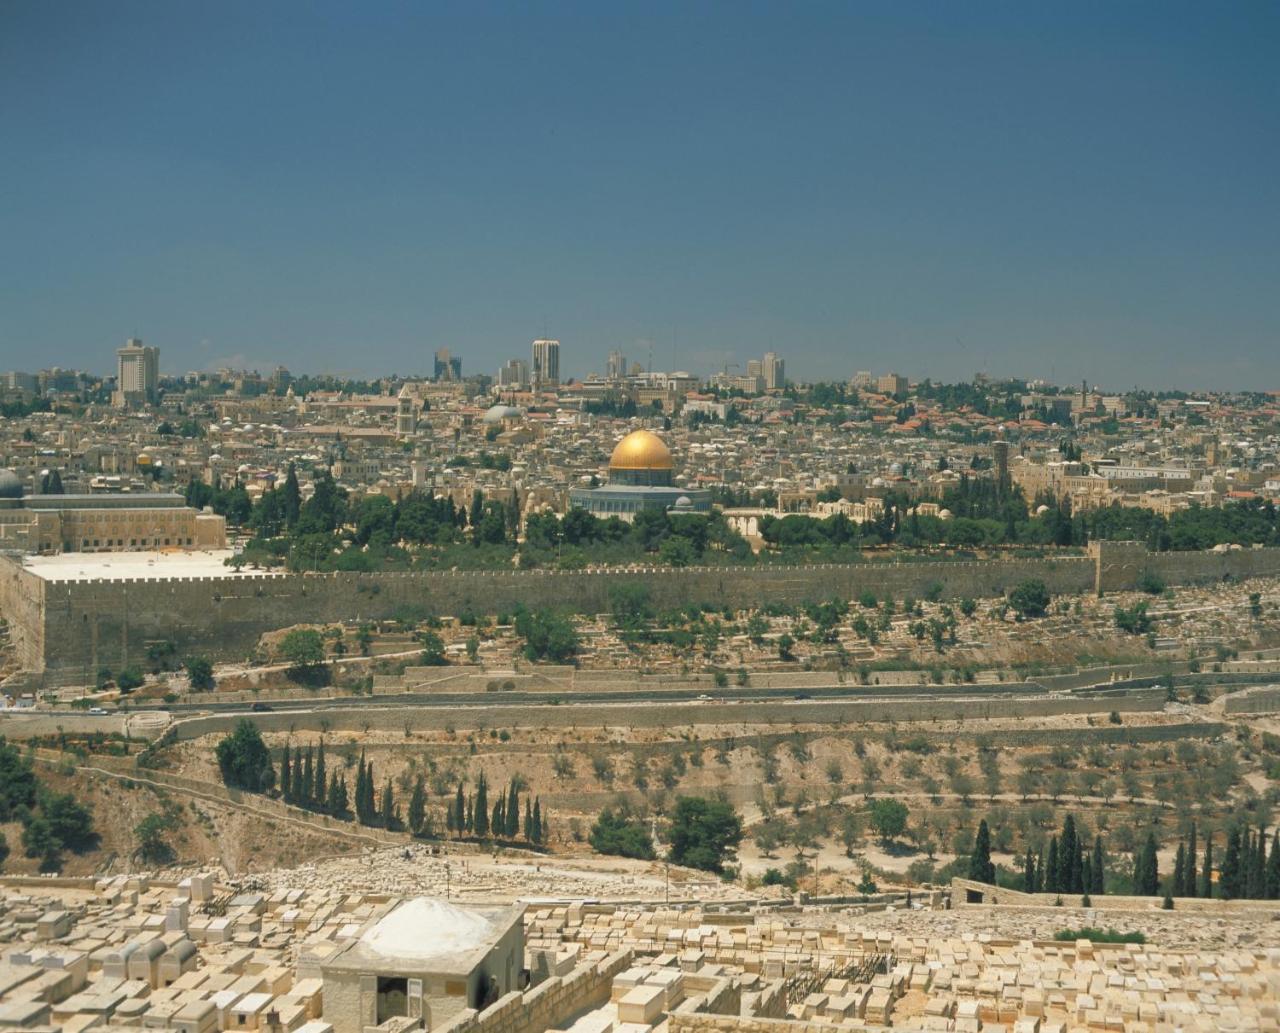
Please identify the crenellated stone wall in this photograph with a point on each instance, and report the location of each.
(68, 629)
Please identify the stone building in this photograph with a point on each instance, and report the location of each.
(119, 522)
(425, 958)
(641, 476)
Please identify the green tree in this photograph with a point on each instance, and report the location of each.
(130, 678)
(292, 497)
(4, 851)
(200, 671)
(303, 648)
(980, 867)
(888, 818)
(621, 834)
(388, 813)
(39, 840)
(704, 833)
(244, 760)
(418, 807)
(153, 845)
(336, 802)
(432, 649)
(17, 781)
(1030, 599)
(319, 779)
(1146, 874)
(480, 819)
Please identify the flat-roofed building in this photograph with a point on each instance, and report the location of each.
(427, 959)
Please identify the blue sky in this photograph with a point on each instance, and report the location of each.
(1067, 190)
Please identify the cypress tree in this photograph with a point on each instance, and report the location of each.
(471, 814)
(292, 497)
(390, 819)
(1150, 867)
(337, 801)
(362, 816)
(498, 821)
(321, 781)
(980, 867)
(1229, 884)
(1066, 847)
(1051, 868)
(1273, 868)
(1206, 875)
(528, 818)
(417, 807)
(1189, 886)
(286, 776)
(1179, 870)
(1029, 872)
(1041, 883)
(537, 820)
(1258, 883)
(1098, 878)
(306, 792)
(459, 812)
(513, 811)
(1075, 868)
(480, 822)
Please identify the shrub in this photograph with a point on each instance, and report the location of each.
(621, 834)
(1107, 935)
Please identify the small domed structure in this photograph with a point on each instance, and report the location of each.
(498, 413)
(10, 485)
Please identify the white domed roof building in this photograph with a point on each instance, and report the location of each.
(498, 413)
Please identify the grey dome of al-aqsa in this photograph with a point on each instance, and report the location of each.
(10, 485)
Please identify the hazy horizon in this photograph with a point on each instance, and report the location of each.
(1083, 191)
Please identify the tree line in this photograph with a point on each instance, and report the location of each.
(305, 781)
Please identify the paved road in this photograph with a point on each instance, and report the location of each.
(740, 694)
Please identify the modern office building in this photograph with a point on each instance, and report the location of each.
(617, 366)
(447, 367)
(137, 374)
(514, 375)
(775, 372)
(545, 367)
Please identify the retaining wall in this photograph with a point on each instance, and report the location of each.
(597, 715)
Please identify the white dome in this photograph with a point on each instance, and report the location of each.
(498, 413)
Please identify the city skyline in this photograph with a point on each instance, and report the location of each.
(1076, 192)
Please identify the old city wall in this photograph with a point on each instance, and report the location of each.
(90, 624)
(22, 609)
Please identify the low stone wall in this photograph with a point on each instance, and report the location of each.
(548, 1005)
(1263, 700)
(703, 1022)
(998, 896)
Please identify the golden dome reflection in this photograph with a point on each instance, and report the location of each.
(641, 450)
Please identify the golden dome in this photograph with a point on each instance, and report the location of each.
(641, 450)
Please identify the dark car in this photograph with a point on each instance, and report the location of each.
(259, 707)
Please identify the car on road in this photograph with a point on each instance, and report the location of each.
(97, 711)
(704, 698)
(260, 707)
